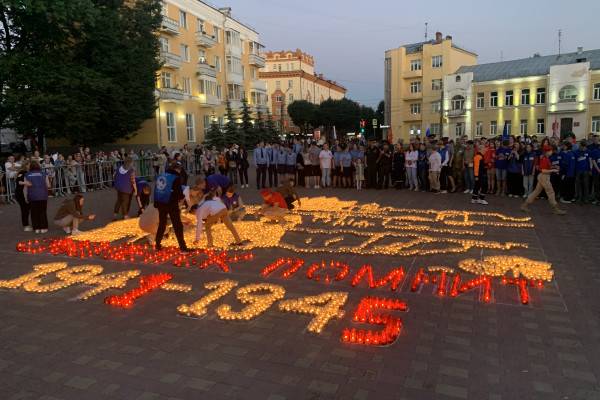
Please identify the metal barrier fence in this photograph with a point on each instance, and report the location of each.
(91, 176)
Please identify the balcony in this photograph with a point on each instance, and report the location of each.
(208, 100)
(232, 50)
(170, 60)
(256, 60)
(171, 94)
(235, 104)
(234, 77)
(203, 69)
(413, 117)
(169, 25)
(258, 85)
(205, 40)
(459, 112)
(412, 74)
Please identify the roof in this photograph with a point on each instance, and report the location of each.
(418, 47)
(533, 66)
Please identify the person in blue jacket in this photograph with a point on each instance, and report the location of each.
(555, 179)
(528, 169)
(37, 184)
(583, 169)
(595, 156)
(124, 182)
(143, 191)
(568, 164)
(167, 195)
(514, 178)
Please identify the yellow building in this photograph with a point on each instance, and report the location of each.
(290, 76)
(551, 95)
(413, 76)
(209, 57)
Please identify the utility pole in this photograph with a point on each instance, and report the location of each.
(426, 23)
(559, 40)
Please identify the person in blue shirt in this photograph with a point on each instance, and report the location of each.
(345, 160)
(595, 157)
(272, 151)
(281, 160)
(583, 169)
(37, 184)
(142, 194)
(514, 178)
(423, 168)
(528, 169)
(555, 179)
(337, 167)
(568, 164)
(291, 158)
(261, 162)
(502, 154)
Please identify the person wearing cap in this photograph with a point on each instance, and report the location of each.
(211, 212)
(167, 195)
(543, 183)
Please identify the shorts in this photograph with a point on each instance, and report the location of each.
(500, 174)
(290, 169)
(281, 169)
(337, 171)
(347, 172)
(316, 170)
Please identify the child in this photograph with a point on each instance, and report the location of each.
(543, 183)
(142, 195)
(289, 193)
(274, 207)
(233, 202)
(211, 212)
(359, 173)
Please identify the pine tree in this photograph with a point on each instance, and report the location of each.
(214, 136)
(272, 133)
(260, 132)
(246, 127)
(232, 135)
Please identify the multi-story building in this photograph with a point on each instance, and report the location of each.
(208, 58)
(413, 84)
(290, 75)
(551, 95)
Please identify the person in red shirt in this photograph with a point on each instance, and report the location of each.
(489, 159)
(274, 206)
(543, 183)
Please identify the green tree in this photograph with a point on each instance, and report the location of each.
(344, 114)
(231, 131)
(302, 113)
(83, 70)
(214, 136)
(259, 130)
(271, 131)
(246, 127)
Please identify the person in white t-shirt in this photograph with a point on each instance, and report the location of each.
(325, 159)
(211, 212)
(435, 167)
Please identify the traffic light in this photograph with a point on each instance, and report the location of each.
(362, 130)
(362, 124)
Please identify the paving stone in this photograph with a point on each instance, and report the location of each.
(542, 387)
(323, 387)
(200, 384)
(451, 391)
(454, 371)
(219, 366)
(78, 382)
(170, 378)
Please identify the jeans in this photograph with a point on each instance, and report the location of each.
(528, 184)
(123, 203)
(469, 178)
(326, 177)
(413, 181)
(261, 176)
(68, 221)
(582, 186)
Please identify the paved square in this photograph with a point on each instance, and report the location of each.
(57, 347)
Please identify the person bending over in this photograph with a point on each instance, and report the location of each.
(70, 215)
(211, 212)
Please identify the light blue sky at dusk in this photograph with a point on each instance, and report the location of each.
(348, 37)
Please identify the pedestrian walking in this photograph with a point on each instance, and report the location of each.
(544, 184)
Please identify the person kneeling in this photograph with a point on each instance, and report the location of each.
(209, 213)
(289, 194)
(233, 202)
(274, 207)
(70, 215)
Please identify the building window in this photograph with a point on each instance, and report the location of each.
(525, 97)
(235, 92)
(278, 99)
(436, 61)
(207, 87)
(435, 129)
(436, 84)
(459, 129)
(290, 83)
(508, 98)
(596, 95)
(164, 44)
(190, 127)
(187, 86)
(480, 100)
(185, 52)
(206, 121)
(182, 19)
(234, 65)
(493, 128)
(415, 108)
(278, 85)
(507, 126)
(202, 56)
(219, 92)
(479, 128)
(541, 126)
(200, 25)
(290, 97)
(165, 79)
(458, 102)
(415, 87)
(171, 127)
(217, 33)
(457, 79)
(494, 99)
(595, 124)
(436, 106)
(415, 65)
(218, 63)
(523, 127)
(567, 94)
(540, 97)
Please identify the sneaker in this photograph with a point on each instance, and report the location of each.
(565, 201)
(38, 231)
(76, 232)
(466, 191)
(484, 202)
(510, 195)
(524, 196)
(28, 228)
(67, 230)
(474, 201)
(317, 187)
(471, 191)
(43, 230)
(444, 191)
